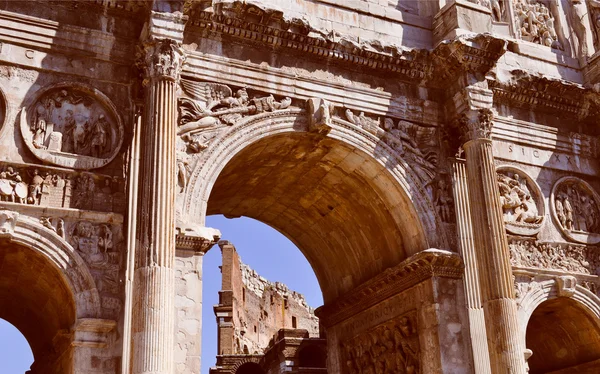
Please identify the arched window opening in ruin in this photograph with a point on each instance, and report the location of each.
(564, 338)
(15, 352)
(312, 356)
(250, 368)
(28, 281)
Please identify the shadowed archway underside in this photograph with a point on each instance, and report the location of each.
(340, 206)
(34, 298)
(562, 335)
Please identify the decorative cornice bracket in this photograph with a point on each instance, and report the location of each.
(196, 238)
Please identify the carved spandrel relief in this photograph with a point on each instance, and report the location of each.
(72, 126)
(575, 210)
(209, 107)
(521, 201)
(554, 256)
(50, 187)
(99, 246)
(418, 145)
(392, 347)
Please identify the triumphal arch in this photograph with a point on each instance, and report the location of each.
(435, 161)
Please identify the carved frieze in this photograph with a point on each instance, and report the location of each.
(575, 210)
(49, 187)
(536, 24)
(521, 200)
(207, 108)
(73, 126)
(554, 256)
(392, 347)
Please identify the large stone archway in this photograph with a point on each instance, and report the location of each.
(360, 211)
(564, 338)
(345, 198)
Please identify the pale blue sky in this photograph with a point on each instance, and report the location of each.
(267, 251)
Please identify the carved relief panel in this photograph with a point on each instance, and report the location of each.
(521, 200)
(535, 22)
(570, 258)
(392, 347)
(575, 210)
(73, 126)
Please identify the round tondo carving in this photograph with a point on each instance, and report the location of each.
(575, 210)
(521, 200)
(72, 125)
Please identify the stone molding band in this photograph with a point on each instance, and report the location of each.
(410, 272)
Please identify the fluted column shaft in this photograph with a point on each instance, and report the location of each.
(466, 246)
(491, 247)
(153, 306)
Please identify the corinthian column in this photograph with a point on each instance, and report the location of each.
(491, 246)
(153, 300)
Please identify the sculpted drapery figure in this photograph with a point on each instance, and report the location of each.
(576, 209)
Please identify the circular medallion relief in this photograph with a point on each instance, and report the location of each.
(521, 201)
(72, 125)
(575, 210)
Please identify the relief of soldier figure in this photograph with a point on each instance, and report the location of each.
(577, 209)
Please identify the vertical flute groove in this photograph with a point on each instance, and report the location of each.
(466, 246)
(154, 320)
(491, 249)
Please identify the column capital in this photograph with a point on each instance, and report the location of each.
(475, 124)
(160, 58)
(196, 238)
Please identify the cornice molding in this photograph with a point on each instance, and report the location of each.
(437, 68)
(412, 271)
(539, 93)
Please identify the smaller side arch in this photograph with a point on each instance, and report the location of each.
(28, 233)
(539, 292)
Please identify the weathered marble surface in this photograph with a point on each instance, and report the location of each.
(343, 124)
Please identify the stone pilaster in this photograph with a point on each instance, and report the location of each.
(153, 300)
(192, 244)
(491, 247)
